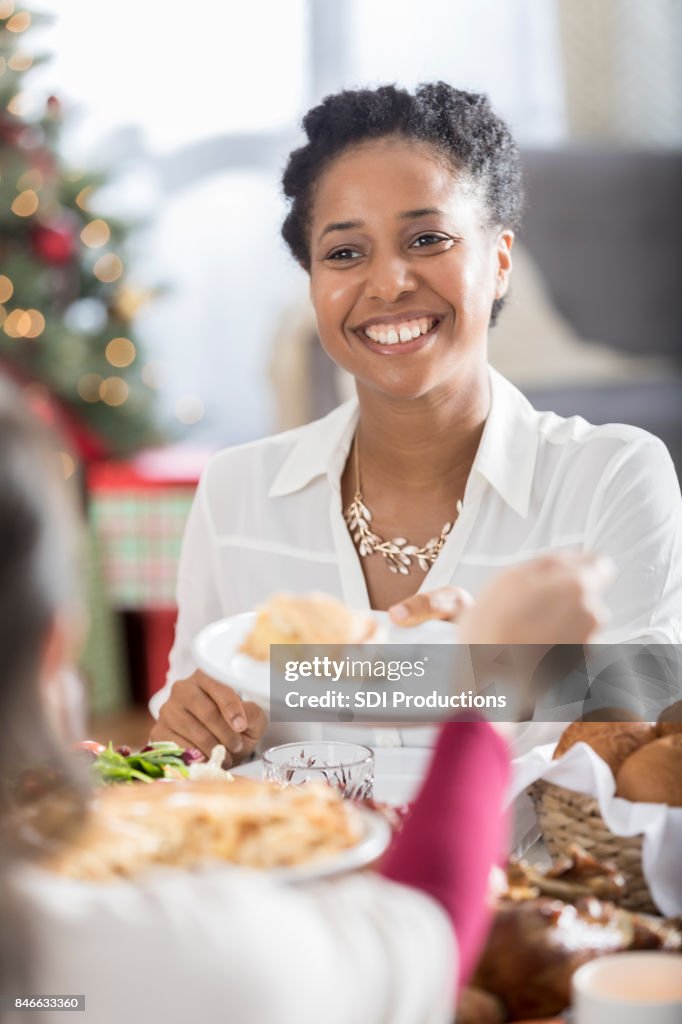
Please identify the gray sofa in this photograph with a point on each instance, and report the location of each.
(605, 227)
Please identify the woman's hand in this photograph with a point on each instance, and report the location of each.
(446, 603)
(202, 712)
(551, 600)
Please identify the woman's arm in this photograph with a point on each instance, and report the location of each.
(193, 709)
(197, 594)
(455, 831)
(636, 520)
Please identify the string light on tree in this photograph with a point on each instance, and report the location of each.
(108, 268)
(24, 104)
(6, 288)
(13, 105)
(20, 62)
(37, 323)
(96, 234)
(26, 203)
(120, 352)
(113, 391)
(19, 22)
(24, 323)
(10, 324)
(128, 302)
(83, 197)
(18, 323)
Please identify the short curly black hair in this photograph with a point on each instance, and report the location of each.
(461, 126)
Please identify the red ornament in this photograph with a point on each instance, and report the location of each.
(54, 243)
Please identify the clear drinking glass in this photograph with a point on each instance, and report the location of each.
(348, 767)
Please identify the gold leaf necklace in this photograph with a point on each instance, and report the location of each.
(399, 553)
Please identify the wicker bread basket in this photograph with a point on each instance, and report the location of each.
(566, 817)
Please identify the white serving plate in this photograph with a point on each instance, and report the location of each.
(376, 837)
(216, 649)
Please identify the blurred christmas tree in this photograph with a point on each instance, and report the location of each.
(65, 308)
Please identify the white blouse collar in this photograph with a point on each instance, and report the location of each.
(505, 457)
(508, 449)
(321, 448)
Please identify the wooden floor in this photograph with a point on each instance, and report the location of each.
(130, 726)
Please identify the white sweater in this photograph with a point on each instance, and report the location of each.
(231, 946)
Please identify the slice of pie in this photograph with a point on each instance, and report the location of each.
(306, 619)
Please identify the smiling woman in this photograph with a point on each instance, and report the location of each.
(440, 492)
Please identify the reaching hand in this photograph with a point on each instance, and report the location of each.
(446, 603)
(551, 600)
(202, 712)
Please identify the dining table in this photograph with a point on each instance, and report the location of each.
(398, 772)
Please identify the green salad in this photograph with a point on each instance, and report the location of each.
(158, 760)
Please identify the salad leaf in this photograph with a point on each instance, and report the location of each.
(142, 766)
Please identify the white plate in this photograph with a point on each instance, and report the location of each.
(216, 650)
(398, 772)
(375, 839)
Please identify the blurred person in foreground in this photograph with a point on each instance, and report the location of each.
(222, 943)
(391, 944)
(402, 212)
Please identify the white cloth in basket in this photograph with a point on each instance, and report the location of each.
(581, 769)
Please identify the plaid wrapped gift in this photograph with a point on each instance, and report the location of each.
(138, 511)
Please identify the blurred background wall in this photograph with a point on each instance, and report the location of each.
(196, 106)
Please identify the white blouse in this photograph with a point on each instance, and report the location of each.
(268, 516)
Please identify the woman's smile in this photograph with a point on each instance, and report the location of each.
(399, 334)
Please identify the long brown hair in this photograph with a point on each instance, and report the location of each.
(38, 545)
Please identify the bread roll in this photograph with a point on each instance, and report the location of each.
(612, 741)
(670, 720)
(306, 619)
(653, 774)
(611, 714)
